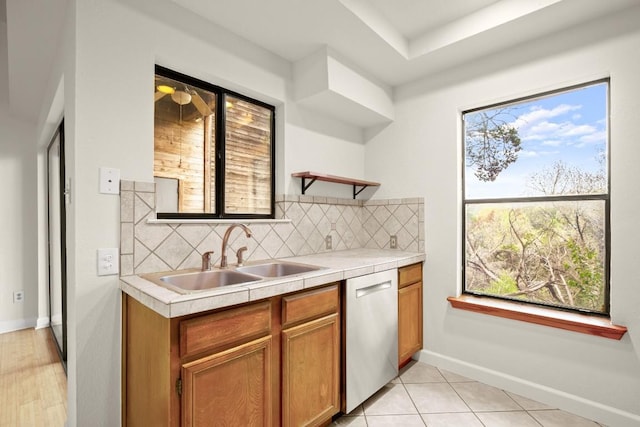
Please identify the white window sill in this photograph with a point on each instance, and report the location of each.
(577, 322)
(217, 221)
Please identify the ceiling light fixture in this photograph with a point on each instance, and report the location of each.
(165, 89)
(180, 97)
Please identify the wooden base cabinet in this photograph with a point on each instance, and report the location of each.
(229, 388)
(269, 363)
(409, 312)
(311, 358)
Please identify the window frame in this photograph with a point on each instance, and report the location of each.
(220, 153)
(606, 198)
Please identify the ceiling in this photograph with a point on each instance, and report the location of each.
(389, 42)
(398, 41)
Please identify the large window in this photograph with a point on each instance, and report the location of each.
(536, 199)
(213, 151)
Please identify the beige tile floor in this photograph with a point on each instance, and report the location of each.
(423, 395)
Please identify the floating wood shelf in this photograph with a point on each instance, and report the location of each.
(314, 176)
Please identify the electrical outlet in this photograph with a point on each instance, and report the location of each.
(327, 242)
(18, 296)
(108, 261)
(393, 241)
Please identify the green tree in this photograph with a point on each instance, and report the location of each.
(492, 144)
(531, 252)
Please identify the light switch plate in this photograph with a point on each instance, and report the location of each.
(109, 181)
(108, 261)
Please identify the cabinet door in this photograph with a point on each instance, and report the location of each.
(409, 321)
(230, 388)
(311, 372)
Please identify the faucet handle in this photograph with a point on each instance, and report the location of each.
(206, 260)
(239, 255)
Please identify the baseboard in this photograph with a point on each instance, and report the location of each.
(16, 325)
(555, 398)
(42, 322)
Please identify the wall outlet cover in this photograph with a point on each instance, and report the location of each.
(18, 296)
(108, 261)
(109, 181)
(393, 241)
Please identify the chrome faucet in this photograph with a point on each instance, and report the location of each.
(206, 260)
(225, 240)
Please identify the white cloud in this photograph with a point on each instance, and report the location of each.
(592, 138)
(552, 142)
(534, 153)
(537, 114)
(554, 134)
(570, 129)
(527, 153)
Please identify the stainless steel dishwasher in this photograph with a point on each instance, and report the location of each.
(371, 334)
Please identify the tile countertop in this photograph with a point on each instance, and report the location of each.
(337, 265)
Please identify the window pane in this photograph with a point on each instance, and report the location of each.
(184, 140)
(247, 158)
(552, 145)
(551, 253)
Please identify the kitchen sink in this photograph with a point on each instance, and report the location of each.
(202, 280)
(277, 269)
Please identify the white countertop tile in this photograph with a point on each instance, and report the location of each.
(337, 265)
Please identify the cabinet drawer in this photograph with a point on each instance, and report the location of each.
(409, 274)
(310, 305)
(224, 328)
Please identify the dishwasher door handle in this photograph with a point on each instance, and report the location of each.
(363, 292)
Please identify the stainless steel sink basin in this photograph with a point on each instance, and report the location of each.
(277, 269)
(202, 280)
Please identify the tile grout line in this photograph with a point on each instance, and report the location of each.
(411, 398)
(458, 394)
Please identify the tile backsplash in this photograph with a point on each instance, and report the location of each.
(150, 246)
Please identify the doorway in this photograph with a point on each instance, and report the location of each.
(56, 202)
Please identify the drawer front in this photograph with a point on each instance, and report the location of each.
(310, 305)
(227, 327)
(409, 274)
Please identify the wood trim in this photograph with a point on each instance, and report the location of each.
(583, 323)
(123, 360)
(208, 134)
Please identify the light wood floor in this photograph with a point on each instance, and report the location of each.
(33, 385)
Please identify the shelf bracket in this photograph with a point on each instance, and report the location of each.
(355, 193)
(306, 186)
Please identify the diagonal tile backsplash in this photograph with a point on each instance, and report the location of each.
(309, 220)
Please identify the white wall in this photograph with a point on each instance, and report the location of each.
(109, 122)
(420, 155)
(18, 236)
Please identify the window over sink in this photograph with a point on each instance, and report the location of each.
(214, 151)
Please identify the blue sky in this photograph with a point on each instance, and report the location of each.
(569, 126)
